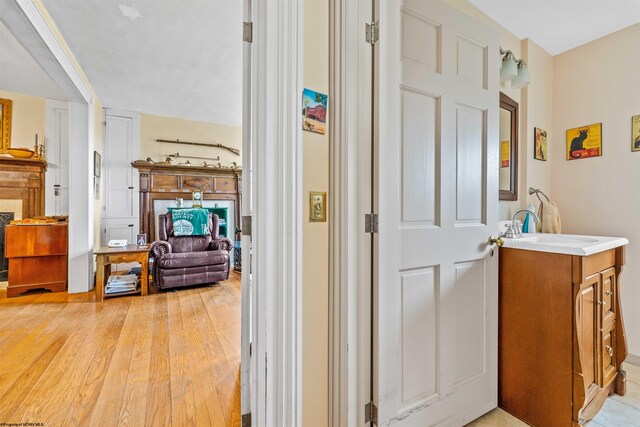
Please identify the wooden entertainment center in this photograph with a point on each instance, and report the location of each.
(168, 182)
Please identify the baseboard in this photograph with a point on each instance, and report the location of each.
(633, 359)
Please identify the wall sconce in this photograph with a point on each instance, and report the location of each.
(513, 70)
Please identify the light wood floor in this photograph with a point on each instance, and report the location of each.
(167, 359)
(618, 411)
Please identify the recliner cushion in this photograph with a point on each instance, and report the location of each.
(189, 243)
(193, 259)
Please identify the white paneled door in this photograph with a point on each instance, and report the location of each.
(436, 305)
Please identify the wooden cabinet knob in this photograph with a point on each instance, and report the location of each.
(609, 350)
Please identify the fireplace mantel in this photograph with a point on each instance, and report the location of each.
(166, 182)
(24, 179)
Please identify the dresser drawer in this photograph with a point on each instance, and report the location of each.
(133, 257)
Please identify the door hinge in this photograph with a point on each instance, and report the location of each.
(247, 32)
(246, 420)
(246, 225)
(371, 223)
(371, 413)
(372, 33)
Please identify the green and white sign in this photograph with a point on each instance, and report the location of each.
(190, 222)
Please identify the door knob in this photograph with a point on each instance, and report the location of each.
(498, 241)
(609, 293)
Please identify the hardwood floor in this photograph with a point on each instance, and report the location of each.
(167, 359)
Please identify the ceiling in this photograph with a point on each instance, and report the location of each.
(561, 25)
(176, 58)
(20, 73)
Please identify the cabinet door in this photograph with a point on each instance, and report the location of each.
(587, 329)
(608, 349)
(607, 297)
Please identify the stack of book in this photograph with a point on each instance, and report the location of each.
(121, 283)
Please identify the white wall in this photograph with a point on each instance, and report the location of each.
(315, 235)
(598, 83)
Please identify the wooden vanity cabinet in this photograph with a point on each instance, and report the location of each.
(561, 335)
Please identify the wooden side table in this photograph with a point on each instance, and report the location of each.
(105, 256)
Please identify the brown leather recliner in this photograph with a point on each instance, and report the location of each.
(189, 260)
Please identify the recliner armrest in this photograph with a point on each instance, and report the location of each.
(160, 248)
(221, 244)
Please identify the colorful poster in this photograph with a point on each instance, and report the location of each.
(314, 111)
(635, 133)
(540, 144)
(505, 154)
(584, 142)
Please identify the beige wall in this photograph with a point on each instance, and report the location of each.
(597, 83)
(315, 236)
(536, 111)
(159, 127)
(27, 118)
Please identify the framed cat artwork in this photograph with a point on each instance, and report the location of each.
(584, 142)
(635, 133)
(540, 144)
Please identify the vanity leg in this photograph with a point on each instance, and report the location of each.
(621, 383)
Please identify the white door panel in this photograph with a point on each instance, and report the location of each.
(120, 229)
(120, 148)
(57, 155)
(436, 302)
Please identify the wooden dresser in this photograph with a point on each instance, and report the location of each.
(37, 257)
(561, 335)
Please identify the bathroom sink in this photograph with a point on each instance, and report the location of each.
(568, 244)
(557, 239)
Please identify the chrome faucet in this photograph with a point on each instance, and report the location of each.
(513, 230)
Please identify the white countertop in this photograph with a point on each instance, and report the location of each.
(567, 244)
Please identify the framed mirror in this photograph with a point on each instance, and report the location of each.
(508, 148)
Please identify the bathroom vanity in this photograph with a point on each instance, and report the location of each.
(561, 332)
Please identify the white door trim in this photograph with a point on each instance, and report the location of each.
(350, 74)
(25, 21)
(277, 211)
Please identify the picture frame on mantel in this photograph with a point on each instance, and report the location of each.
(6, 106)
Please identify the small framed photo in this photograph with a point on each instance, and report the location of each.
(141, 239)
(317, 206)
(540, 144)
(584, 142)
(97, 164)
(314, 111)
(635, 133)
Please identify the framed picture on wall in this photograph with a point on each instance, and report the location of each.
(584, 142)
(635, 133)
(5, 123)
(314, 111)
(540, 144)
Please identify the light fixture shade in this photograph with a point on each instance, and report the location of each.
(522, 79)
(509, 68)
